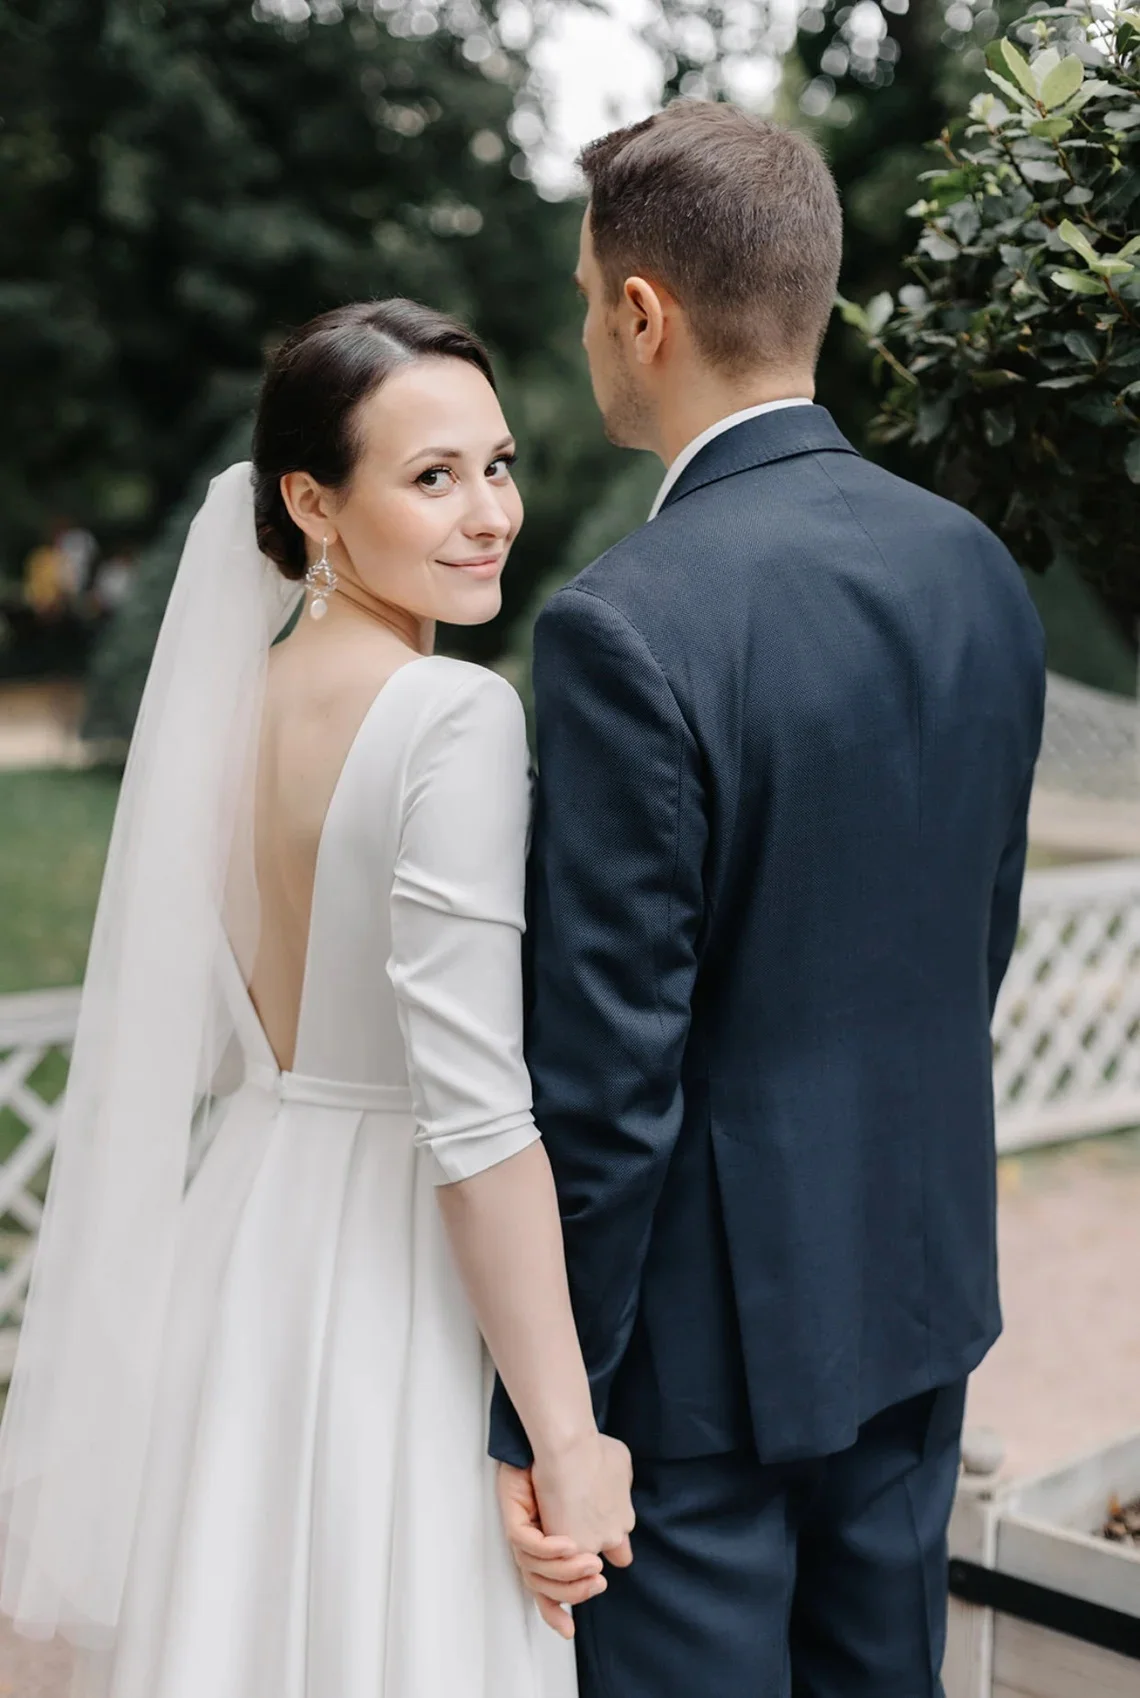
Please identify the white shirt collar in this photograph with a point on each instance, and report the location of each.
(693, 448)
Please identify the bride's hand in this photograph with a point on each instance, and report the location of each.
(583, 1493)
(551, 1568)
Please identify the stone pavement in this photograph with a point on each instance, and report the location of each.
(1066, 1375)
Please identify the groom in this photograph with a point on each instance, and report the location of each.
(786, 736)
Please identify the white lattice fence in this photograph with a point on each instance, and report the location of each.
(34, 1030)
(1091, 742)
(1066, 1048)
(1067, 1032)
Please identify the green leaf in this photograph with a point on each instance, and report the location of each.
(1132, 460)
(1050, 129)
(965, 221)
(935, 245)
(996, 378)
(1080, 343)
(878, 312)
(1062, 82)
(990, 111)
(1012, 92)
(933, 418)
(1074, 237)
(1096, 409)
(1078, 282)
(1042, 171)
(1123, 120)
(1062, 382)
(1079, 100)
(999, 426)
(1018, 68)
(1130, 247)
(852, 313)
(1080, 196)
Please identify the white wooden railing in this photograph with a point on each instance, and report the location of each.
(31, 1028)
(1067, 1032)
(1066, 1047)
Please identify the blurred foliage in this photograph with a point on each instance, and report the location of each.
(873, 83)
(118, 671)
(1084, 641)
(183, 183)
(1014, 357)
(618, 508)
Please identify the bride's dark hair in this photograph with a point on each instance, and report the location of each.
(306, 417)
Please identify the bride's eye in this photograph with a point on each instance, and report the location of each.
(500, 466)
(429, 480)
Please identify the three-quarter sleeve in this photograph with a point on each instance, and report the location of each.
(457, 924)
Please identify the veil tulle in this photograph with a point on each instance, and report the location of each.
(152, 1028)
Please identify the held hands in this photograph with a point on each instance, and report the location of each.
(562, 1517)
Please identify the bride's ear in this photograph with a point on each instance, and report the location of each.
(309, 506)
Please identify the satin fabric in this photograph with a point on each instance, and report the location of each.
(318, 1516)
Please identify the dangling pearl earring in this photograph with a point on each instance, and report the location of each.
(321, 581)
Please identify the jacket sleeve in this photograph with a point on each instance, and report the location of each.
(1005, 904)
(616, 896)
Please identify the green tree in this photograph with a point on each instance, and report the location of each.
(182, 183)
(873, 83)
(1013, 358)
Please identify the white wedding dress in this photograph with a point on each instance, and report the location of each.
(318, 1515)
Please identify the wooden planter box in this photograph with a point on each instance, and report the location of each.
(1041, 1606)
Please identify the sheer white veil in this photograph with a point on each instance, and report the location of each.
(152, 1026)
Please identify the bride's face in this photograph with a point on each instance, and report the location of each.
(431, 511)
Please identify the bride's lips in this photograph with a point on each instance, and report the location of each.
(483, 566)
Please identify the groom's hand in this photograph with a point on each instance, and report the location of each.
(583, 1491)
(553, 1569)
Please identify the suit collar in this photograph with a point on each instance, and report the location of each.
(759, 441)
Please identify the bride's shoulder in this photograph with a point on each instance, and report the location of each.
(452, 683)
(466, 703)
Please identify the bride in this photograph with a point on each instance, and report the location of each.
(244, 1448)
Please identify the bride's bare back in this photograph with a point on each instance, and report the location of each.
(321, 684)
(420, 532)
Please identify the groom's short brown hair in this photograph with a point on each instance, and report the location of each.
(738, 218)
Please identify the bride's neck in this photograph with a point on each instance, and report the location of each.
(351, 605)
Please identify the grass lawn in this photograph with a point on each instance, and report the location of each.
(54, 830)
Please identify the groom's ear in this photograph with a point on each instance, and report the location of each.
(649, 307)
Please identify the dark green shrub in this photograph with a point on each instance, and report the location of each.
(1013, 358)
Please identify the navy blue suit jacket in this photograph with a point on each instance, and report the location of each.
(786, 736)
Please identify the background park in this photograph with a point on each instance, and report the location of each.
(182, 181)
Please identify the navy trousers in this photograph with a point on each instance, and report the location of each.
(818, 1579)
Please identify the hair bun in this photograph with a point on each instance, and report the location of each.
(278, 538)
